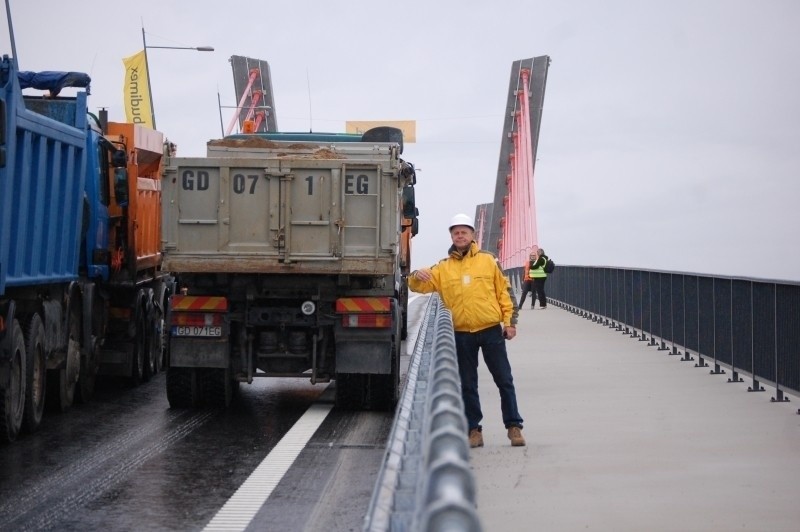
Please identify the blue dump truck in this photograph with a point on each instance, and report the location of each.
(81, 288)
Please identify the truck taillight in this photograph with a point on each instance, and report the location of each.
(375, 312)
(197, 319)
(367, 320)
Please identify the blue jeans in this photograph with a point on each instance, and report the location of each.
(493, 345)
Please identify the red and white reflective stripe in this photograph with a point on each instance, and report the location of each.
(364, 304)
(199, 303)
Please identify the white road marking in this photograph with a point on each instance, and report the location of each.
(243, 505)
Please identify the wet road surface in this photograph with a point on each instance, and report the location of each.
(126, 461)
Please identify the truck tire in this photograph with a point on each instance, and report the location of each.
(183, 388)
(218, 386)
(12, 397)
(139, 349)
(384, 390)
(93, 318)
(168, 288)
(404, 312)
(152, 351)
(351, 391)
(61, 382)
(159, 324)
(89, 368)
(35, 385)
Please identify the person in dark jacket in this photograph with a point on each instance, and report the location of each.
(539, 276)
(527, 283)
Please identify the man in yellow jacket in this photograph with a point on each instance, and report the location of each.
(477, 293)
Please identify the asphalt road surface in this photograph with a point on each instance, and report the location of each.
(126, 461)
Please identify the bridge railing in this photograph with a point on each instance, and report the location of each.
(749, 326)
(425, 483)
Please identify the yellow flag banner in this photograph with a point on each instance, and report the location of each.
(136, 93)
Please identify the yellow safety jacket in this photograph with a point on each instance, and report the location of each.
(473, 287)
(537, 271)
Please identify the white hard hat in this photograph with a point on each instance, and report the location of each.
(462, 219)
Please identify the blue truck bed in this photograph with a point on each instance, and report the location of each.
(43, 145)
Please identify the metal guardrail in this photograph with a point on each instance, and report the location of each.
(425, 483)
(749, 326)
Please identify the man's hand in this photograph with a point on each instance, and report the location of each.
(509, 332)
(423, 274)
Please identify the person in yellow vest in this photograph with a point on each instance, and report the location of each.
(539, 276)
(475, 290)
(527, 281)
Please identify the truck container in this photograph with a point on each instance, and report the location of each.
(81, 288)
(291, 253)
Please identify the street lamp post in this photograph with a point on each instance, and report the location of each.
(147, 66)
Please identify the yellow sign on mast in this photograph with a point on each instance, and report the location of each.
(408, 127)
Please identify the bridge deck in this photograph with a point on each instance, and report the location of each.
(622, 436)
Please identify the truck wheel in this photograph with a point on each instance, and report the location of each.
(139, 350)
(350, 388)
(89, 368)
(218, 386)
(93, 326)
(383, 392)
(151, 349)
(36, 373)
(12, 397)
(183, 390)
(159, 334)
(162, 297)
(403, 303)
(61, 382)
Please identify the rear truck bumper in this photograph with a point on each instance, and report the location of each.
(199, 353)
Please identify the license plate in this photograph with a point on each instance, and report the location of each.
(191, 330)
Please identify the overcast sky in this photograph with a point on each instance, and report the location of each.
(670, 136)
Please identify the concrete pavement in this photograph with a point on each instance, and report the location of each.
(623, 437)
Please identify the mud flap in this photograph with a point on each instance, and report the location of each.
(367, 351)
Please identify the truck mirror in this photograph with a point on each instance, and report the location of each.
(408, 172)
(121, 186)
(119, 159)
(409, 201)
